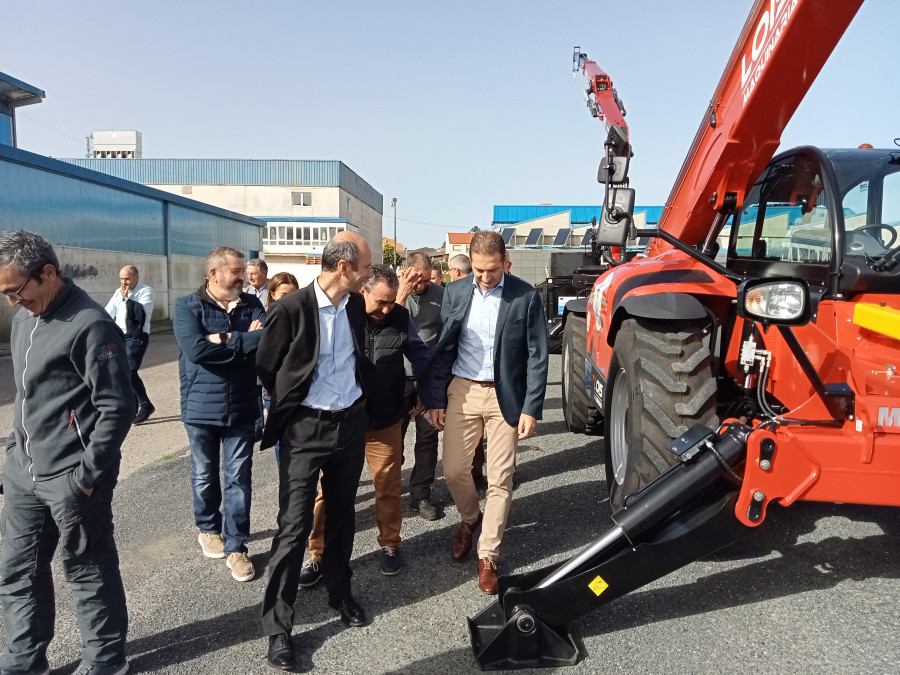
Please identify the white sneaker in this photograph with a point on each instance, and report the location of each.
(240, 566)
(212, 545)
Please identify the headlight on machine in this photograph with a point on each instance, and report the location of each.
(776, 302)
(784, 302)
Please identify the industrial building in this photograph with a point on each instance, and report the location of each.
(99, 223)
(303, 202)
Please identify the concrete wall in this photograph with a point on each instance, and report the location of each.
(97, 272)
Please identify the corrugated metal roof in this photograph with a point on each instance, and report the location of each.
(510, 215)
(281, 172)
(103, 178)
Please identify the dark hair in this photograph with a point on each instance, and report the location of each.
(487, 243)
(280, 279)
(260, 263)
(417, 260)
(27, 252)
(337, 250)
(216, 258)
(382, 274)
(461, 262)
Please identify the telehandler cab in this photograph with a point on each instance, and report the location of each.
(751, 356)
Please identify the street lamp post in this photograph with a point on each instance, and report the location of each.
(394, 205)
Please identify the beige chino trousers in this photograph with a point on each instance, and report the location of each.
(473, 410)
(384, 453)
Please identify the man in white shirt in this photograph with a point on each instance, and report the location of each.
(258, 276)
(131, 307)
(314, 367)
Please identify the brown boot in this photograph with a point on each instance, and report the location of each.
(487, 576)
(462, 542)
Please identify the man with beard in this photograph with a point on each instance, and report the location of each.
(218, 331)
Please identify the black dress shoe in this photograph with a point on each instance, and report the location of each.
(143, 412)
(351, 613)
(281, 652)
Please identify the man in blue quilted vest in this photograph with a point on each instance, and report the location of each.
(218, 329)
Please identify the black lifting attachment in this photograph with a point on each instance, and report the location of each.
(683, 515)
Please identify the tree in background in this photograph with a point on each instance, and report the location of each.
(391, 257)
(475, 228)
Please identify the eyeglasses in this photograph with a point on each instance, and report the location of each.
(15, 295)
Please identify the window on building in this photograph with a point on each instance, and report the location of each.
(301, 198)
(6, 129)
(187, 189)
(348, 207)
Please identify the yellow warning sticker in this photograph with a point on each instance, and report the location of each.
(598, 585)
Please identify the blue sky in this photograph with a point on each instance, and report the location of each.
(450, 107)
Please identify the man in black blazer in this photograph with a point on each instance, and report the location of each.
(310, 359)
(490, 374)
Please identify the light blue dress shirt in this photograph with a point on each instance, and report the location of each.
(475, 350)
(334, 385)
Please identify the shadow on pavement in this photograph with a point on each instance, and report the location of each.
(802, 567)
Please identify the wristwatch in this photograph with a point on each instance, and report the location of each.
(223, 338)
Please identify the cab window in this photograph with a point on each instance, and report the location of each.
(785, 217)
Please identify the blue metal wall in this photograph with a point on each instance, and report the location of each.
(581, 215)
(85, 209)
(280, 172)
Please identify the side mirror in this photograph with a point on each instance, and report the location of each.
(612, 230)
(613, 170)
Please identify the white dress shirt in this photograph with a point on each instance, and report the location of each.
(475, 350)
(334, 385)
(141, 293)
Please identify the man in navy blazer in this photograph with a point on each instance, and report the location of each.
(488, 376)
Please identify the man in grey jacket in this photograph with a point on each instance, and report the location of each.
(73, 408)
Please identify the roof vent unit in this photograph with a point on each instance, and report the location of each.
(116, 145)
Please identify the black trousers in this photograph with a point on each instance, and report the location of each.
(135, 348)
(309, 446)
(426, 450)
(39, 518)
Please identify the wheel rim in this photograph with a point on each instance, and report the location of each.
(565, 372)
(618, 423)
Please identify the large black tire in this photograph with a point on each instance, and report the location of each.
(579, 412)
(660, 385)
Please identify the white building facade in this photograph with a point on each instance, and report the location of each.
(303, 202)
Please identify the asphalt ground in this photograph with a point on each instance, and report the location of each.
(814, 590)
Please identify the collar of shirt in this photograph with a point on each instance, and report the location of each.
(498, 287)
(323, 301)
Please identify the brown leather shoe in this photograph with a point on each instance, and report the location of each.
(462, 542)
(487, 576)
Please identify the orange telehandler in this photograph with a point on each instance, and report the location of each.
(751, 356)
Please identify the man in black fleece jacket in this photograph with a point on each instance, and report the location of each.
(390, 335)
(74, 406)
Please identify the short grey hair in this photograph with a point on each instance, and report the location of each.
(461, 262)
(417, 260)
(337, 250)
(382, 274)
(27, 252)
(219, 255)
(260, 263)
